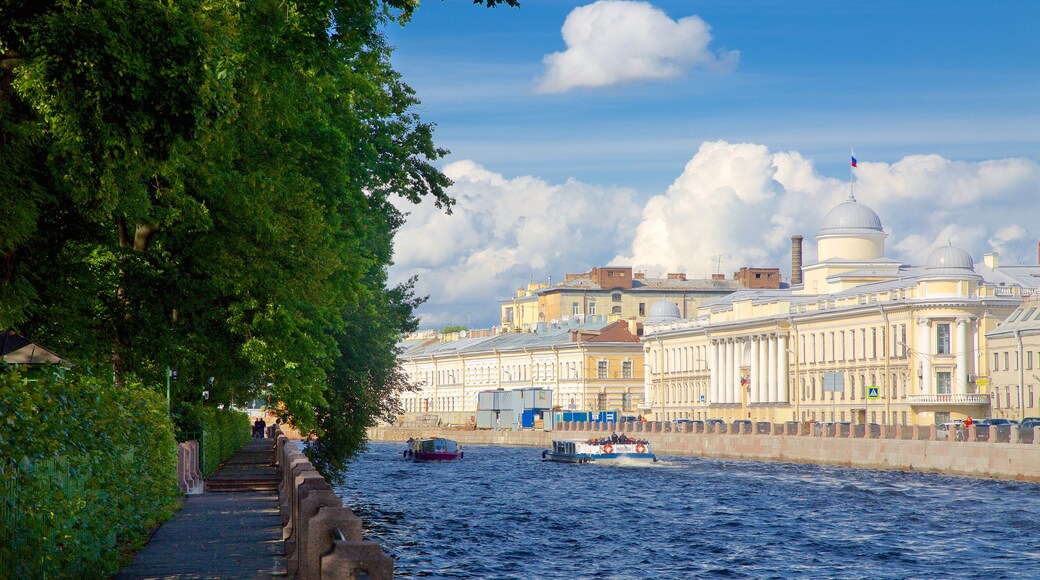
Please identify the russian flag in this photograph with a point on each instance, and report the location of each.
(854, 161)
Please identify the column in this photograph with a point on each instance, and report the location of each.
(648, 377)
(961, 373)
(781, 368)
(713, 360)
(763, 364)
(924, 354)
(774, 391)
(756, 370)
(735, 396)
(726, 374)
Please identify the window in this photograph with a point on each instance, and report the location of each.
(942, 383)
(1007, 366)
(1029, 360)
(616, 297)
(574, 308)
(592, 308)
(842, 335)
(863, 343)
(626, 369)
(873, 343)
(902, 338)
(642, 309)
(601, 402)
(616, 310)
(509, 314)
(942, 338)
(601, 369)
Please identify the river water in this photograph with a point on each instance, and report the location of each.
(501, 512)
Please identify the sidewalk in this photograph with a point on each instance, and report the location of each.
(235, 532)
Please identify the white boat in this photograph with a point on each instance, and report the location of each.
(600, 451)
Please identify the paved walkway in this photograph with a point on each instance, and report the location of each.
(235, 534)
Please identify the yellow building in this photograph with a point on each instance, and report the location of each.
(590, 366)
(861, 338)
(614, 293)
(1015, 363)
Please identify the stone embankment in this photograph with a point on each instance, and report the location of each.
(1002, 454)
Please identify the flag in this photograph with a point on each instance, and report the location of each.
(854, 161)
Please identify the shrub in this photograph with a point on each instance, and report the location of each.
(86, 469)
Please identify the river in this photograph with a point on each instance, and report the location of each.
(501, 512)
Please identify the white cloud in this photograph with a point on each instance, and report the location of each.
(739, 201)
(617, 41)
(503, 232)
(743, 202)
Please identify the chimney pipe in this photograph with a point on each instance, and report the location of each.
(796, 260)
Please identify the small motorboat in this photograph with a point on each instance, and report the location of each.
(433, 449)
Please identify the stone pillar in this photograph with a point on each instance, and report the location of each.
(781, 368)
(713, 360)
(961, 371)
(756, 370)
(774, 375)
(924, 354)
(763, 363)
(727, 374)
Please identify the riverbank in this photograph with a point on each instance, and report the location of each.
(990, 459)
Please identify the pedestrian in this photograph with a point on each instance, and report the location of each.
(261, 428)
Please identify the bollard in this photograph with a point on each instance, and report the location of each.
(313, 495)
(347, 558)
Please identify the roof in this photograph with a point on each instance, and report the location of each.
(546, 335)
(850, 218)
(16, 349)
(651, 285)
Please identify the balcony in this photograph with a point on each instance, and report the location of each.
(967, 399)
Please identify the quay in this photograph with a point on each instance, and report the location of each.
(265, 513)
(999, 454)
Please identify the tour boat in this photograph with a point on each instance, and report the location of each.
(600, 451)
(433, 449)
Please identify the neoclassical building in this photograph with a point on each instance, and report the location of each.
(590, 366)
(1015, 363)
(858, 337)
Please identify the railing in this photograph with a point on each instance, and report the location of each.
(322, 538)
(839, 430)
(950, 399)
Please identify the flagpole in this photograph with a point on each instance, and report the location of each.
(852, 174)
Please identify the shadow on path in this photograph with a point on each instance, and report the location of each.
(233, 530)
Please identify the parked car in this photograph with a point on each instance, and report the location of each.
(943, 431)
(715, 425)
(995, 421)
(1030, 422)
(741, 425)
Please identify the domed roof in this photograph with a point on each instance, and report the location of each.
(950, 257)
(663, 311)
(850, 217)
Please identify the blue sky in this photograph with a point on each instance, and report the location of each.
(666, 135)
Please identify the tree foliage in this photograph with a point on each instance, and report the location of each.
(206, 185)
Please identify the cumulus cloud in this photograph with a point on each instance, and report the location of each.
(617, 41)
(737, 204)
(502, 233)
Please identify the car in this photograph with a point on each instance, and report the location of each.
(1030, 423)
(942, 431)
(995, 421)
(715, 425)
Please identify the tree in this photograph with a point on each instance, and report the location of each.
(213, 195)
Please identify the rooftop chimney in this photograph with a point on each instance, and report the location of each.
(991, 259)
(796, 260)
(718, 276)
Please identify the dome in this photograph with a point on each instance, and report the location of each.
(850, 217)
(663, 311)
(950, 257)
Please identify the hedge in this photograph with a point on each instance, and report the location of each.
(223, 432)
(86, 470)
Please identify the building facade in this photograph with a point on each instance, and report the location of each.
(863, 339)
(1015, 363)
(590, 366)
(613, 293)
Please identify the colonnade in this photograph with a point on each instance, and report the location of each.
(926, 353)
(767, 362)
